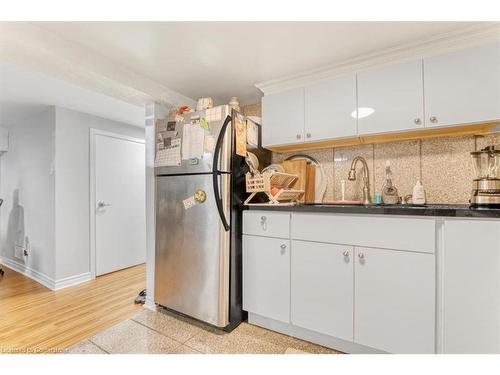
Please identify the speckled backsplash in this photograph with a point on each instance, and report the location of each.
(443, 165)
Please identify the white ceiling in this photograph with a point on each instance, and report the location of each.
(24, 93)
(224, 59)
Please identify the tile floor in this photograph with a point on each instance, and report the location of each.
(150, 332)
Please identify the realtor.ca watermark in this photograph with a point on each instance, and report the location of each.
(12, 350)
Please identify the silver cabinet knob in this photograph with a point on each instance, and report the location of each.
(417, 121)
(345, 253)
(308, 135)
(433, 119)
(263, 222)
(299, 136)
(283, 248)
(102, 204)
(361, 256)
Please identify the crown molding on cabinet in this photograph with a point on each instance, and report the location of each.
(36, 48)
(463, 38)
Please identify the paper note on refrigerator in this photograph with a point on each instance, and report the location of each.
(193, 141)
(213, 114)
(170, 154)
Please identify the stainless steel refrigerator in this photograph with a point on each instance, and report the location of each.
(198, 217)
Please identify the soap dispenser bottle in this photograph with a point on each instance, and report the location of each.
(418, 196)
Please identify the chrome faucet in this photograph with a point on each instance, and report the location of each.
(366, 178)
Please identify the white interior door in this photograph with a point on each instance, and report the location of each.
(119, 207)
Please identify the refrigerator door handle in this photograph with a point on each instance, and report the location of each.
(216, 173)
(218, 144)
(218, 201)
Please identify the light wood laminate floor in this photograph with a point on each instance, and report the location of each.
(34, 319)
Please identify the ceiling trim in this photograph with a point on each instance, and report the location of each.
(465, 37)
(37, 48)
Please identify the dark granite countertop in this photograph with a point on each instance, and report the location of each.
(447, 210)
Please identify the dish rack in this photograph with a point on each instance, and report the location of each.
(263, 183)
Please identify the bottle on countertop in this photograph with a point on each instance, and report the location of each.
(389, 191)
(418, 196)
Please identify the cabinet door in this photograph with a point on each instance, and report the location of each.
(266, 277)
(391, 99)
(463, 87)
(283, 118)
(330, 109)
(471, 289)
(394, 300)
(322, 288)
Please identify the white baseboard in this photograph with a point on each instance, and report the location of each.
(311, 336)
(42, 278)
(72, 280)
(27, 271)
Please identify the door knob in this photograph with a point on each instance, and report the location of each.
(308, 135)
(102, 204)
(417, 121)
(361, 256)
(433, 119)
(299, 136)
(345, 253)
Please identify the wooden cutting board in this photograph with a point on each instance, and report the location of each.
(299, 168)
(310, 194)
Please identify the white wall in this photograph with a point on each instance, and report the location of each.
(72, 186)
(27, 187)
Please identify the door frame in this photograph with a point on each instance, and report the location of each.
(92, 194)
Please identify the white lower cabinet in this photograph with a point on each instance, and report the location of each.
(322, 288)
(471, 286)
(394, 300)
(341, 294)
(266, 277)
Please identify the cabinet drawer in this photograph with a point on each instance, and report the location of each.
(398, 233)
(266, 223)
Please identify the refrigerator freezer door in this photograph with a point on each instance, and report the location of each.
(192, 247)
(212, 132)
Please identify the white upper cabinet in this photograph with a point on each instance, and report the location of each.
(329, 109)
(283, 118)
(391, 99)
(463, 87)
(456, 88)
